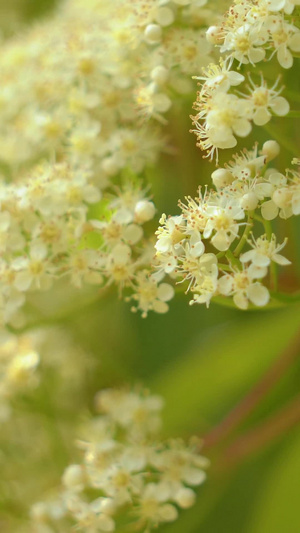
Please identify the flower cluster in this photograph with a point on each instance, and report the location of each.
(19, 360)
(79, 88)
(217, 224)
(127, 476)
(222, 115)
(56, 224)
(248, 31)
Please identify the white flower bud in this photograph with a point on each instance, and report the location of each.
(159, 74)
(73, 477)
(164, 16)
(213, 35)
(221, 178)
(109, 166)
(249, 201)
(185, 498)
(153, 33)
(271, 150)
(144, 211)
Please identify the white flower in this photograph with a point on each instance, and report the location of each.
(286, 39)
(170, 234)
(243, 288)
(264, 251)
(222, 226)
(219, 77)
(265, 100)
(153, 508)
(33, 271)
(246, 44)
(150, 295)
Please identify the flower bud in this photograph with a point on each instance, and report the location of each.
(164, 16)
(213, 35)
(221, 178)
(109, 166)
(153, 33)
(185, 498)
(271, 150)
(159, 74)
(144, 211)
(249, 201)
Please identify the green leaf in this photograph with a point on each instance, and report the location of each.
(205, 383)
(277, 510)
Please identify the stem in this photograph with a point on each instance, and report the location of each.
(222, 266)
(265, 433)
(232, 259)
(244, 237)
(253, 398)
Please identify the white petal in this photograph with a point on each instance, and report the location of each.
(133, 233)
(256, 55)
(258, 294)
(280, 106)
(168, 513)
(240, 300)
(165, 292)
(278, 258)
(23, 281)
(296, 204)
(194, 476)
(284, 56)
(261, 116)
(269, 210)
(121, 254)
(225, 285)
(294, 42)
(247, 256)
(261, 260)
(160, 307)
(242, 127)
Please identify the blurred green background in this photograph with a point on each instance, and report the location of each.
(202, 361)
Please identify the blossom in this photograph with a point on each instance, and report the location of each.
(243, 287)
(264, 100)
(127, 468)
(264, 251)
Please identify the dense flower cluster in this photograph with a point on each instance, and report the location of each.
(79, 87)
(48, 233)
(127, 476)
(74, 99)
(248, 31)
(216, 225)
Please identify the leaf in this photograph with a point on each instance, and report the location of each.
(206, 382)
(278, 507)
